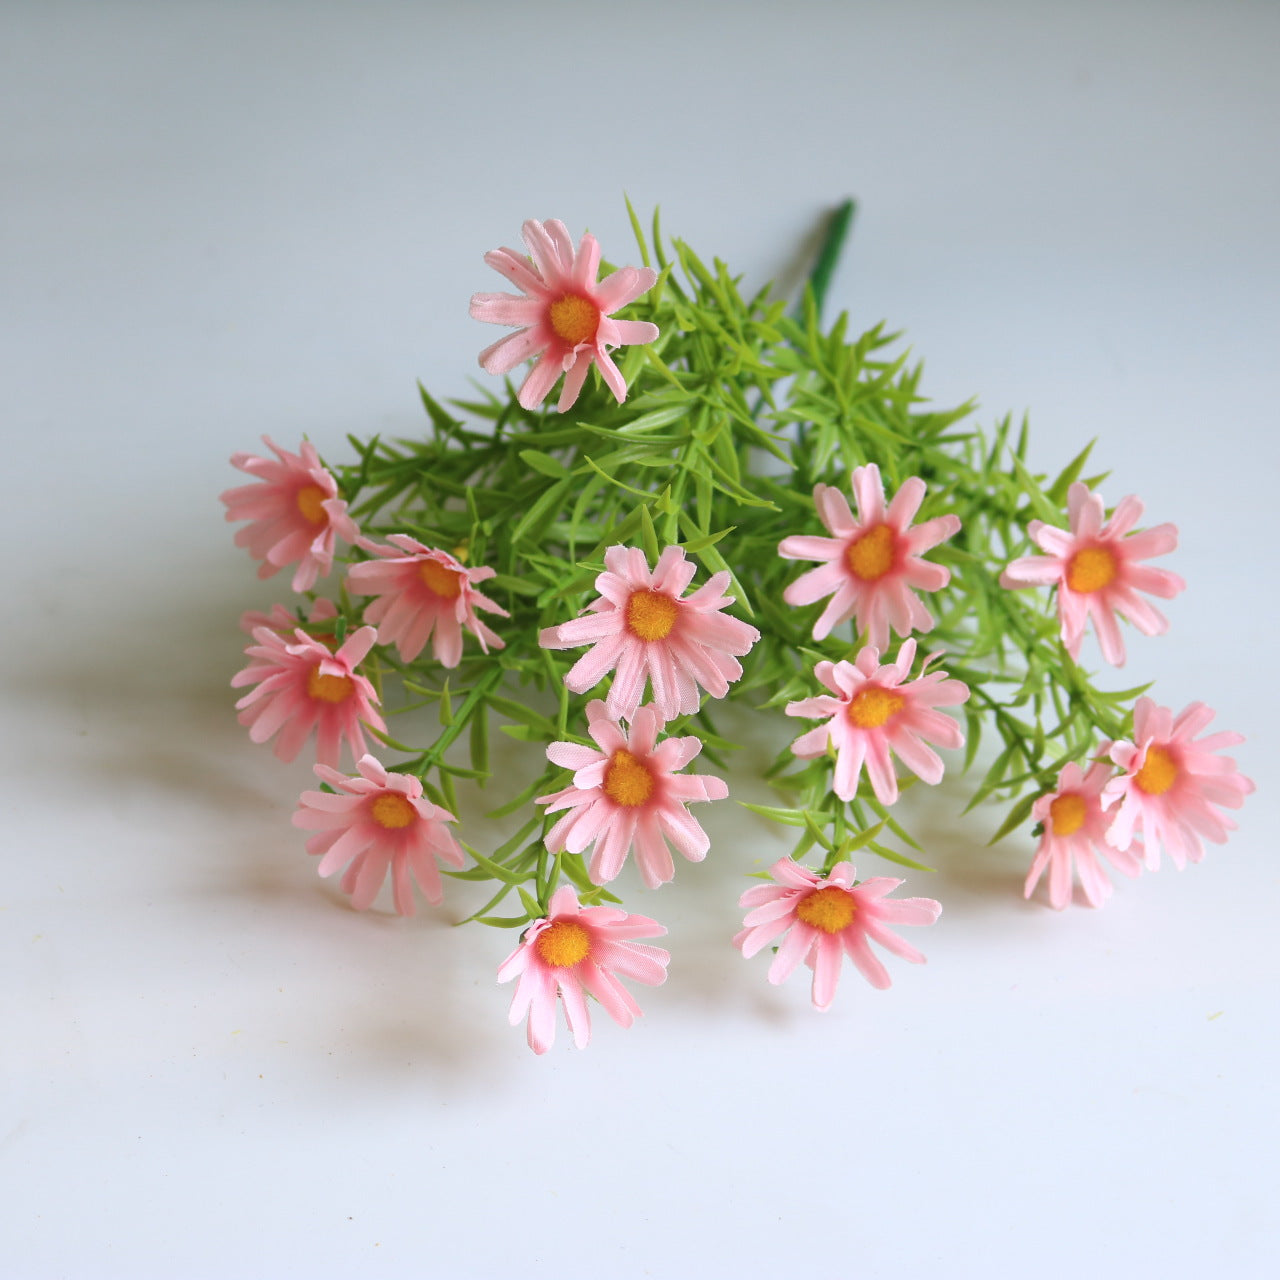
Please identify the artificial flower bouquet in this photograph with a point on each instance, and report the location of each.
(745, 504)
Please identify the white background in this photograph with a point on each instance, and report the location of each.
(219, 220)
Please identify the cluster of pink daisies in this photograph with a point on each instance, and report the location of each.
(1168, 786)
(629, 792)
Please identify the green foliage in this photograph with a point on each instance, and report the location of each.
(734, 414)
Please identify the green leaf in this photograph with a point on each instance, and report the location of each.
(544, 463)
(541, 509)
(637, 231)
(1040, 505)
(1015, 818)
(790, 817)
(1057, 491)
(521, 799)
(892, 855)
(442, 421)
(851, 844)
(480, 742)
(522, 732)
(649, 536)
(496, 871)
(817, 832)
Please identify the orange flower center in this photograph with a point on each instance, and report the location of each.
(308, 500)
(1067, 814)
(1091, 570)
(438, 578)
(627, 781)
(574, 319)
(829, 909)
(1158, 772)
(393, 811)
(651, 615)
(871, 556)
(563, 944)
(328, 688)
(872, 706)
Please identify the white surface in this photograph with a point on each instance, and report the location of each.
(220, 220)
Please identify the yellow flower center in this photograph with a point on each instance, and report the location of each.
(871, 556)
(328, 688)
(393, 811)
(1091, 569)
(308, 500)
(1158, 772)
(438, 578)
(651, 615)
(872, 706)
(1067, 814)
(563, 944)
(829, 909)
(627, 781)
(574, 319)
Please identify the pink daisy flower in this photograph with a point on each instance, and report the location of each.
(295, 510)
(423, 594)
(873, 709)
(564, 315)
(823, 916)
(1075, 827)
(1096, 569)
(644, 626)
(872, 566)
(301, 686)
(578, 951)
(377, 821)
(628, 794)
(1173, 784)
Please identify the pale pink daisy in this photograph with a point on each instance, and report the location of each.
(423, 594)
(302, 686)
(578, 951)
(874, 709)
(1075, 828)
(629, 795)
(1173, 784)
(296, 513)
(376, 821)
(564, 317)
(872, 566)
(825, 916)
(1096, 568)
(644, 625)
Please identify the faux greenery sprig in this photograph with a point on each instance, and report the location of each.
(738, 414)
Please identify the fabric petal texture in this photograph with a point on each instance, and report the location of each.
(1096, 570)
(564, 317)
(876, 712)
(1075, 825)
(424, 594)
(302, 687)
(294, 511)
(648, 632)
(378, 822)
(1172, 785)
(819, 918)
(872, 564)
(629, 798)
(574, 951)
